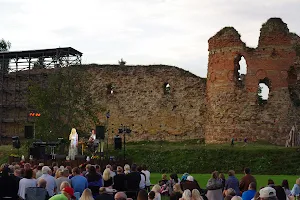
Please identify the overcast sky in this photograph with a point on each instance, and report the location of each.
(172, 32)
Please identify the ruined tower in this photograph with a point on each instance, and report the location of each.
(233, 107)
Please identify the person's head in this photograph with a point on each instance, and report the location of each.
(142, 195)
(247, 170)
(196, 194)
(87, 195)
(174, 177)
(119, 170)
(285, 184)
(109, 167)
(58, 173)
(102, 190)
(54, 164)
(65, 173)
(298, 181)
(68, 192)
(156, 188)
(190, 178)
(215, 174)
(93, 131)
(231, 173)
(98, 168)
(64, 184)
(164, 177)
(267, 193)
(151, 195)
(236, 198)
(139, 169)
(27, 166)
(42, 183)
(133, 167)
(230, 192)
(28, 174)
(87, 167)
(222, 176)
(106, 174)
(252, 186)
(46, 170)
(92, 170)
(39, 167)
(177, 188)
(126, 168)
(270, 182)
(120, 196)
(187, 194)
(17, 172)
(75, 171)
(228, 197)
(280, 193)
(73, 131)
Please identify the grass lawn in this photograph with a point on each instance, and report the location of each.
(262, 180)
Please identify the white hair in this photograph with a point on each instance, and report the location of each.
(190, 178)
(236, 198)
(46, 170)
(187, 194)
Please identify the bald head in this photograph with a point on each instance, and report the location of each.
(42, 183)
(120, 196)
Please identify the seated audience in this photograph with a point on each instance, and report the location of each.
(119, 180)
(142, 195)
(214, 187)
(267, 193)
(64, 176)
(78, 182)
(296, 188)
(126, 169)
(9, 185)
(156, 189)
(87, 193)
(196, 195)
(187, 195)
(40, 192)
(232, 182)
(104, 194)
(94, 181)
(250, 193)
(67, 193)
(286, 187)
(25, 182)
(151, 195)
(107, 179)
(51, 184)
(120, 196)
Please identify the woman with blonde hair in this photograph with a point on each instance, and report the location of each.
(64, 184)
(126, 169)
(214, 187)
(156, 189)
(187, 195)
(196, 195)
(107, 179)
(87, 195)
(73, 144)
(296, 188)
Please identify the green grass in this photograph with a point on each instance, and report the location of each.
(262, 180)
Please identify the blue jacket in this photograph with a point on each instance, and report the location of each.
(233, 182)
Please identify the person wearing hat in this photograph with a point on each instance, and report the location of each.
(267, 193)
(66, 194)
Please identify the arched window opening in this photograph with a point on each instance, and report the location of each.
(240, 70)
(167, 88)
(263, 91)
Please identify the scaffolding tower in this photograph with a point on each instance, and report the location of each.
(17, 69)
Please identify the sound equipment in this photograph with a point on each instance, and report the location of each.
(38, 152)
(28, 132)
(118, 142)
(100, 132)
(16, 142)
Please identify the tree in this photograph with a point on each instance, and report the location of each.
(64, 102)
(122, 62)
(260, 100)
(4, 63)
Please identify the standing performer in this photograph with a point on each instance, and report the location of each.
(73, 144)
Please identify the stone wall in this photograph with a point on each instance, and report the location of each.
(233, 109)
(217, 109)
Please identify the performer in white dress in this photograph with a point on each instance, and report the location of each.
(73, 144)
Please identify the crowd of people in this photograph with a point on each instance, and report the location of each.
(90, 182)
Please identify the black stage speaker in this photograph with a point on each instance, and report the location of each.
(38, 152)
(100, 132)
(118, 142)
(28, 132)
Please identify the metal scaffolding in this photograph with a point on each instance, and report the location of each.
(17, 69)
